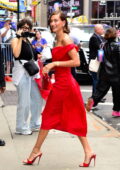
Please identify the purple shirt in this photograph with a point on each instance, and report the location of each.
(41, 41)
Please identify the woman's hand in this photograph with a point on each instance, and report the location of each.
(47, 68)
(19, 32)
(7, 27)
(39, 56)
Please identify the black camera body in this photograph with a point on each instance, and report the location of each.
(28, 34)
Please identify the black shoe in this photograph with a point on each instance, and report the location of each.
(102, 100)
(2, 142)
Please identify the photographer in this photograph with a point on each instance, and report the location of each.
(29, 97)
(7, 33)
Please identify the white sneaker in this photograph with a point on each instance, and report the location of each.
(35, 129)
(27, 132)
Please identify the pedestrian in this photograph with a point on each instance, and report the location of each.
(7, 33)
(2, 83)
(109, 73)
(29, 98)
(94, 45)
(64, 109)
(39, 43)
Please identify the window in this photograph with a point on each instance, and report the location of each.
(110, 8)
(102, 10)
(95, 6)
(118, 9)
(107, 9)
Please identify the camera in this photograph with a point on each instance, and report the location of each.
(28, 34)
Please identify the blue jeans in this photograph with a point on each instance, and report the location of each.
(29, 99)
(94, 81)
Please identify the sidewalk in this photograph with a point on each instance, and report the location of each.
(61, 151)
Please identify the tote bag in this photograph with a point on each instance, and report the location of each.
(94, 65)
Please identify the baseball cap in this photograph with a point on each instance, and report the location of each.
(7, 19)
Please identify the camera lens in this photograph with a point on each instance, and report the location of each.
(28, 34)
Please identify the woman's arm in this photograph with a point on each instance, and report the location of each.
(74, 56)
(73, 62)
(16, 44)
(43, 45)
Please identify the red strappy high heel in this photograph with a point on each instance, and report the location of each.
(87, 165)
(28, 162)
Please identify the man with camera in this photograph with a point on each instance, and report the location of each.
(29, 97)
(7, 33)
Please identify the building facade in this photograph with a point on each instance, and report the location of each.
(105, 11)
(72, 8)
(96, 11)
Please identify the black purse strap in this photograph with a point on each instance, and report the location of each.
(28, 42)
(30, 49)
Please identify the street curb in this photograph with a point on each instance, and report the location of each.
(116, 132)
(1, 102)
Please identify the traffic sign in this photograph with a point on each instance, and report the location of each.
(74, 7)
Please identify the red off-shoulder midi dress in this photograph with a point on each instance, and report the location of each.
(64, 108)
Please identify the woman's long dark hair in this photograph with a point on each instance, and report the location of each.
(36, 33)
(63, 18)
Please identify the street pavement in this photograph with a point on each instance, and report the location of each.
(104, 109)
(61, 151)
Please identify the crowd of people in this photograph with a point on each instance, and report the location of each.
(64, 108)
(6, 34)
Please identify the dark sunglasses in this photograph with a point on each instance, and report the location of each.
(27, 28)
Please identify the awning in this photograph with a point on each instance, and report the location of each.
(80, 19)
(35, 2)
(12, 6)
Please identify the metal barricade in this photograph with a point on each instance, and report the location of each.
(8, 57)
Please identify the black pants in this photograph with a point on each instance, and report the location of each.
(103, 86)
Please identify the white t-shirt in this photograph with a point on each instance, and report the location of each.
(9, 33)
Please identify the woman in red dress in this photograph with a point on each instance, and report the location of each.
(64, 109)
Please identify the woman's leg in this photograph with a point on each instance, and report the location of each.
(42, 136)
(87, 149)
(37, 147)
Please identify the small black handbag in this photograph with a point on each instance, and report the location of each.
(30, 66)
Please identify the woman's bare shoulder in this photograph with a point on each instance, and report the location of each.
(66, 40)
